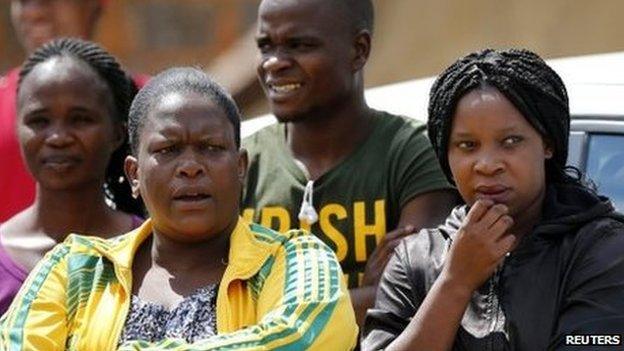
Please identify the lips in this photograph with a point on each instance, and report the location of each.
(496, 193)
(60, 163)
(281, 89)
(191, 197)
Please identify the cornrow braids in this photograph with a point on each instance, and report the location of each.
(534, 88)
(123, 90)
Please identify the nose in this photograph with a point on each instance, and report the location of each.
(190, 166)
(489, 163)
(59, 137)
(275, 62)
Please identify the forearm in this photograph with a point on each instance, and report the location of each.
(434, 327)
(362, 299)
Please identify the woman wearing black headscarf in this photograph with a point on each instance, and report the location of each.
(535, 259)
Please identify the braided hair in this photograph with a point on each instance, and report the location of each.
(534, 88)
(123, 90)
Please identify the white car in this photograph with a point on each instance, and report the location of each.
(595, 86)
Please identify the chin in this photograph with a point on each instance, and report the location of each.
(291, 113)
(190, 233)
(284, 116)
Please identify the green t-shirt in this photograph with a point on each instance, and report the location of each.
(357, 201)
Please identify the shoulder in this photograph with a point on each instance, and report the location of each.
(403, 135)
(424, 252)
(600, 232)
(93, 245)
(288, 240)
(399, 126)
(9, 80)
(262, 138)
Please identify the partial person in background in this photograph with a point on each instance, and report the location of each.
(359, 179)
(535, 256)
(73, 100)
(35, 22)
(195, 276)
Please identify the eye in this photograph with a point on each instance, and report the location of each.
(82, 119)
(167, 149)
(211, 147)
(37, 122)
(301, 45)
(512, 140)
(263, 45)
(465, 145)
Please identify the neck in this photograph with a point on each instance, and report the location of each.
(324, 139)
(56, 213)
(182, 257)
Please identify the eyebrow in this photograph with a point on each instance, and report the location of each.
(512, 128)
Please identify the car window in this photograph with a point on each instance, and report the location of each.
(576, 148)
(605, 165)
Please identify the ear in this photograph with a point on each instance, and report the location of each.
(548, 150)
(131, 168)
(362, 48)
(243, 161)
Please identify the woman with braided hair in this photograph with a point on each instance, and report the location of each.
(72, 105)
(535, 257)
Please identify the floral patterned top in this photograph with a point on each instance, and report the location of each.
(193, 319)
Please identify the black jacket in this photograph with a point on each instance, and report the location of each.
(567, 277)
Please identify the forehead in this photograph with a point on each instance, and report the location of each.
(182, 111)
(63, 74)
(296, 15)
(487, 110)
(51, 4)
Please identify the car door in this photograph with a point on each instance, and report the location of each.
(597, 149)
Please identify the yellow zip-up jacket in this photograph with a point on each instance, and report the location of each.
(279, 291)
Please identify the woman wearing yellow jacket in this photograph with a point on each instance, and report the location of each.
(195, 276)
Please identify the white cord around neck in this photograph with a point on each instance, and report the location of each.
(307, 212)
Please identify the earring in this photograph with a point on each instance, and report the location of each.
(135, 189)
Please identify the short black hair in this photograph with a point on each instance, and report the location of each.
(181, 80)
(523, 77)
(362, 14)
(122, 89)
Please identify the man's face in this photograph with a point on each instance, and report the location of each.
(306, 53)
(38, 21)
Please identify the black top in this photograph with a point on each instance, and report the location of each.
(567, 277)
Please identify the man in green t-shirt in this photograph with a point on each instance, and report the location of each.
(359, 179)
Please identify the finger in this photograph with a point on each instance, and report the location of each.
(493, 214)
(500, 228)
(477, 210)
(506, 244)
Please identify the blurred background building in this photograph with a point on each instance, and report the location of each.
(413, 38)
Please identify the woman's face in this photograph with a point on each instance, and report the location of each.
(188, 169)
(65, 127)
(494, 153)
